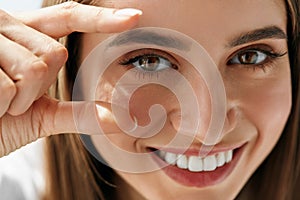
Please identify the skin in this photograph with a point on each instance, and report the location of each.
(258, 101)
(30, 60)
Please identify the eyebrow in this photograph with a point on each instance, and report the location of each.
(259, 34)
(148, 37)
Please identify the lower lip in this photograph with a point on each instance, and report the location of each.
(200, 179)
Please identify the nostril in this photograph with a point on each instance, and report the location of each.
(230, 120)
(175, 119)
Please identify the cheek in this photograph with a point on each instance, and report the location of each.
(267, 105)
(106, 84)
(262, 96)
(147, 96)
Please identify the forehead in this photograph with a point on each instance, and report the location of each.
(197, 6)
(209, 22)
(227, 14)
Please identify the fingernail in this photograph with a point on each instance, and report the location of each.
(128, 12)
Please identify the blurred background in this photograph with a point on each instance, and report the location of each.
(19, 5)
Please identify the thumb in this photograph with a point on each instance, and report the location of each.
(83, 117)
(50, 117)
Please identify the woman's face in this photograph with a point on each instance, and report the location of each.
(246, 40)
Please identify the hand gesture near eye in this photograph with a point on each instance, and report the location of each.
(30, 58)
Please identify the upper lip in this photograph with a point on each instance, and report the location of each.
(204, 151)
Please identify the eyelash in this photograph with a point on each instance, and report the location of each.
(130, 61)
(166, 60)
(271, 56)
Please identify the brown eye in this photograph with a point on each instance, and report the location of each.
(151, 63)
(251, 57)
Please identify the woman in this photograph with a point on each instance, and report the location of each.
(258, 62)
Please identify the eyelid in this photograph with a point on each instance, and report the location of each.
(163, 63)
(264, 48)
(235, 59)
(155, 52)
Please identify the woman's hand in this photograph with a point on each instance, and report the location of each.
(30, 58)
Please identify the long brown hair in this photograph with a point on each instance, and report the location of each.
(72, 173)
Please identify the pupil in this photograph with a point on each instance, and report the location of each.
(249, 58)
(149, 63)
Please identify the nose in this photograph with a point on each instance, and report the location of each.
(200, 133)
(208, 119)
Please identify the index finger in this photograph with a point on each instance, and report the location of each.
(63, 19)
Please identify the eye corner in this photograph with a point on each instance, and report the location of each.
(175, 66)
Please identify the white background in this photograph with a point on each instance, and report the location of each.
(19, 5)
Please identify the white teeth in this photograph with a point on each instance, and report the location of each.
(210, 163)
(220, 159)
(182, 162)
(228, 156)
(170, 158)
(195, 164)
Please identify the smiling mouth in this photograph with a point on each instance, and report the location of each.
(191, 170)
(196, 163)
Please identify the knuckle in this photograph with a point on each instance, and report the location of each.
(9, 88)
(67, 9)
(55, 47)
(38, 70)
(62, 54)
(69, 5)
(5, 18)
(100, 12)
(57, 55)
(67, 12)
(99, 15)
(3, 14)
